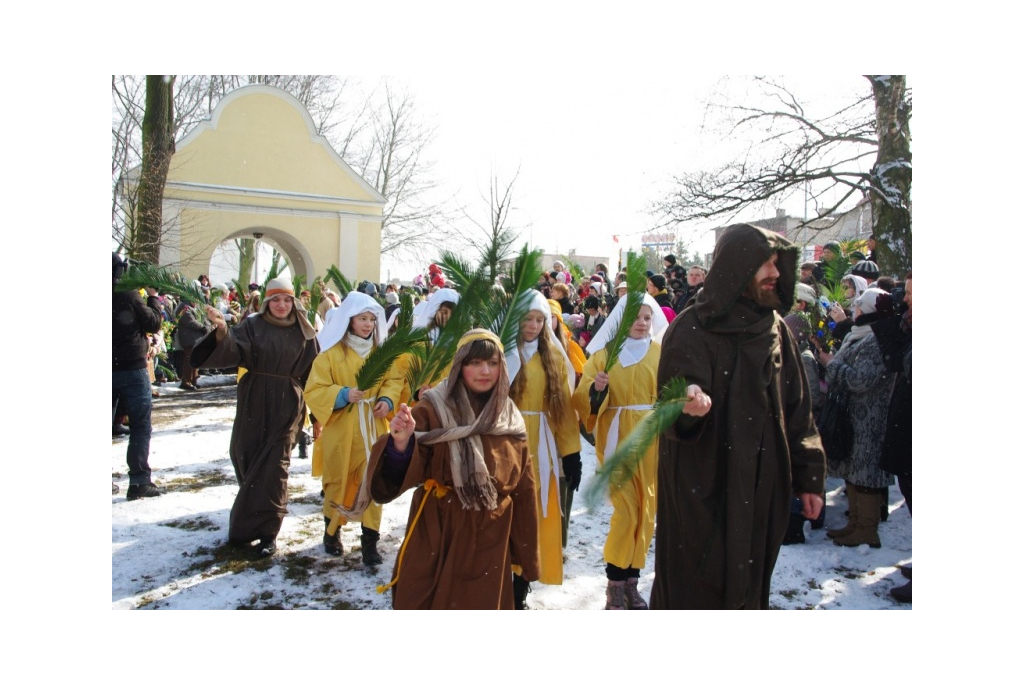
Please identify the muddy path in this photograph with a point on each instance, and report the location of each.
(171, 407)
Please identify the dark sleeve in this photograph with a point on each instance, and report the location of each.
(682, 354)
(807, 457)
(203, 349)
(893, 341)
(146, 313)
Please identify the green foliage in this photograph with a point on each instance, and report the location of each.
(620, 466)
(166, 281)
(382, 357)
(405, 310)
(578, 275)
(458, 272)
(508, 307)
(342, 284)
(636, 280)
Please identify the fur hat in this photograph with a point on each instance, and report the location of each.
(805, 293)
(391, 297)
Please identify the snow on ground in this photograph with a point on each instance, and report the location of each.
(170, 552)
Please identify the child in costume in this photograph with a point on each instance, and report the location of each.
(615, 402)
(351, 417)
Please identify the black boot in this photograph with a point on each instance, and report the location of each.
(520, 588)
(303, 441)
(795, 531)
(819, 523)
(369, 538)
(332, 543)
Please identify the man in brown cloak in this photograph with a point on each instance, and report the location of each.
(745, 442)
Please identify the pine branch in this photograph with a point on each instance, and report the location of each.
(636, 280)
(620, 466)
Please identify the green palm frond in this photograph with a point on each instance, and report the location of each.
(510, 306)
(165, 281)
(578, 275)
(405, 311)
(458, 271)
(382, 357)
(620, 466)
(636, 279)
(339, 281)
(298, 284)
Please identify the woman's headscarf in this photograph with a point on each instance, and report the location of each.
(537, 303)
(658, 324)
(433, 304)
(338, 318)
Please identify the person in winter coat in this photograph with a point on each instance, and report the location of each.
(542, 380)
(133, 319)
(745, 441)
(277, 345)
(473, 516)
(352, 417)
(611, 403)
(191, 329)
(858, 369)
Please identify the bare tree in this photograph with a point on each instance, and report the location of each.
(891, 174)
(831, 160)
(494, 241)
(157, 149)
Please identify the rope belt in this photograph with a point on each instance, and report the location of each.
(368, 431)
(547, 456)
(613, 430)
(439, 491)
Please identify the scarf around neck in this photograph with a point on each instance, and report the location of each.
(361, 346)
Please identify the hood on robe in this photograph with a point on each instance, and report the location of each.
(739, 253)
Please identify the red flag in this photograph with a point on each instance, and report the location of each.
(615, 238)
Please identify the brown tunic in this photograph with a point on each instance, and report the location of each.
(456, 558)
(268, 415)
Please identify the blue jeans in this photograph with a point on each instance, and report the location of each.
(132, 390)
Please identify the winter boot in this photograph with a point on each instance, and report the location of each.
(303, 441)
(819, 523)
(332, 543)
(795, 531)
(883, 508)
(520, 588)
(615, 595)
(145, 490)
(851, 496)
(866, 530)
(633, 598)
(266, 548)
(369, 538)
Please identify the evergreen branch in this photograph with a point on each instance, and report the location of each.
(620, 466)
(636, 280)
(383, 356)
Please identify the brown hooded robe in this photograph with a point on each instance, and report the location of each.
(725, 480)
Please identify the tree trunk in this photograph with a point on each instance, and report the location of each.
(157, 149)
(246, 260)
(891, 176)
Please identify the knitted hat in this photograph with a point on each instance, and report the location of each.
(279, 286)
(865, 269)
(670, 258)
(857, 254)
(658, 280)
(805, 293)
(391, 297)
(834, 246)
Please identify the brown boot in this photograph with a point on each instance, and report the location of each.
(634, 600)
(615, 595)
(851, 523)
(868, 515)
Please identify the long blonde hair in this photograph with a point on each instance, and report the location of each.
(549, 357)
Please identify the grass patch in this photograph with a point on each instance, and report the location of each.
(192, 524)
(299, 569)
(227, 559)
(312, 499)
(200, 480)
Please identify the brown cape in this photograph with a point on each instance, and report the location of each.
(725, 481)
(268, 415)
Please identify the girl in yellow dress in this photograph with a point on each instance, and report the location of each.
(541, 387)
(632, 389)
(352, 418)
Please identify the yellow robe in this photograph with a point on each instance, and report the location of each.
(340, 455)
(565, 431)
(634, 503)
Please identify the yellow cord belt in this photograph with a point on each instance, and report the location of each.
(439, 491)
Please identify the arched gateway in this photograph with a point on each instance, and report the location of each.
(257, 166)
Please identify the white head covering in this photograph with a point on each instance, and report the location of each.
(538, 303)
(336, 325)
(859, 285)
(611, 325)
(434, 303)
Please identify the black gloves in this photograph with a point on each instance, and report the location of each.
(573, 469)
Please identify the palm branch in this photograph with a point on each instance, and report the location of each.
(405, 311)
(458, 271)
(508, 308)
(383, 356)
(620, 466)
(343, 285)
(165, 281)
(578, 275)
(636, 280)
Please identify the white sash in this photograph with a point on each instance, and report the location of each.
(613, 430)
(547, 454)
(367, 424)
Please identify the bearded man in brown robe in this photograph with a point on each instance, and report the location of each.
(745, 442)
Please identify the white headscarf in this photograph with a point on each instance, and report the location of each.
(434, 303)
(632, 352)
(336, 325)
(537, 303)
